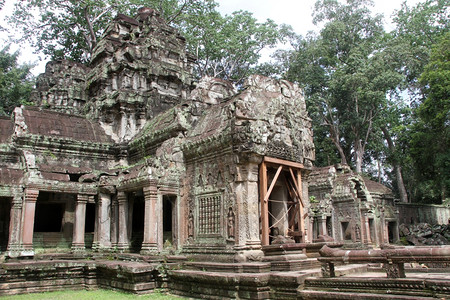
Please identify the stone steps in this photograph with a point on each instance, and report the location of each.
(243, 280)
(373, 287)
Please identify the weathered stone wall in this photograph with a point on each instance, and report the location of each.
(271, 119)
(351, 208)
(62, 87)
(414, 213)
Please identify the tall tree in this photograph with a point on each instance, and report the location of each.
(418, 28)
(346, 75)
(16, 81)
(431, 132)
(229, 46)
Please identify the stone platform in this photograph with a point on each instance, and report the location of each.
(255, 280)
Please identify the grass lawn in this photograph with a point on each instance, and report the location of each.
(89, 295)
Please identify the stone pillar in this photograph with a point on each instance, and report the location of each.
(31, 196)
(114, 221)
(310, 230)
(367, 239)
(247, 232)
(15, 228)
(323, 225)
(151, 244)
(79, 224)
(104, 221)
(123, 243)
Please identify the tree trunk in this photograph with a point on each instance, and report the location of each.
(397, 168)
(359, 152)
(334, 134)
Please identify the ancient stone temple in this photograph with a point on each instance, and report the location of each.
(351, 208)
(131, 155)
(129, 174)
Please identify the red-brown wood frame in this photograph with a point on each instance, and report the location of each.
(295, 170)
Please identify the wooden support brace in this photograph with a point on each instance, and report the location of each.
(272, 184)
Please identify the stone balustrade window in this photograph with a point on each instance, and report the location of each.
(209, 215)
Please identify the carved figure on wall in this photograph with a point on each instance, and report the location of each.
(230, 225)
(190, 225)
(357, 232)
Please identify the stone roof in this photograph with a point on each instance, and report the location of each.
(375, 187)
(51, 123)
(6, 129)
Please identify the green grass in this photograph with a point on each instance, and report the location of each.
(89, 295)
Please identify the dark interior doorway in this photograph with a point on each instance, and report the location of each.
(137, 207)
(89, 225)
(90, 218)
(392, 226)
(53, 220)
(169, 222)
(5, 210)
(346, 232)
(48, 217)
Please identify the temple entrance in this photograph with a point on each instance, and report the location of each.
(89, 225)
(136, 216)
(392, 232)
(169, 222)
(53, 220)
(5, 210)
(346, 233)
(281, 200)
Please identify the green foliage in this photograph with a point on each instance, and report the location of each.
(430, 137)
(16, 82)
(418, 28)
(346, 74)
(229, 47)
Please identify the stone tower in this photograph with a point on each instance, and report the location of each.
(139, 69)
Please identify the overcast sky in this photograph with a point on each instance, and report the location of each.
(296, 13)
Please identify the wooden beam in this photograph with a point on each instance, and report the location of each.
(272, 184)
(301, 220)
(264, 204)
(298, 190)
(287, 163)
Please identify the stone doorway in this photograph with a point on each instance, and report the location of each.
(170, 222)
(53, 220)
(5, 210)
(136, 216)
(89, 225)
(281, 199)
(392, 232)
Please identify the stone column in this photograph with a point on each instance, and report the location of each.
(323, 225)
(114, 221)
(15, 228)
(104, 221)
(150, 243)
(79, 224)
(123, 243)
(31, 196)
(310, 230)
(247, 215)
(368, 239)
